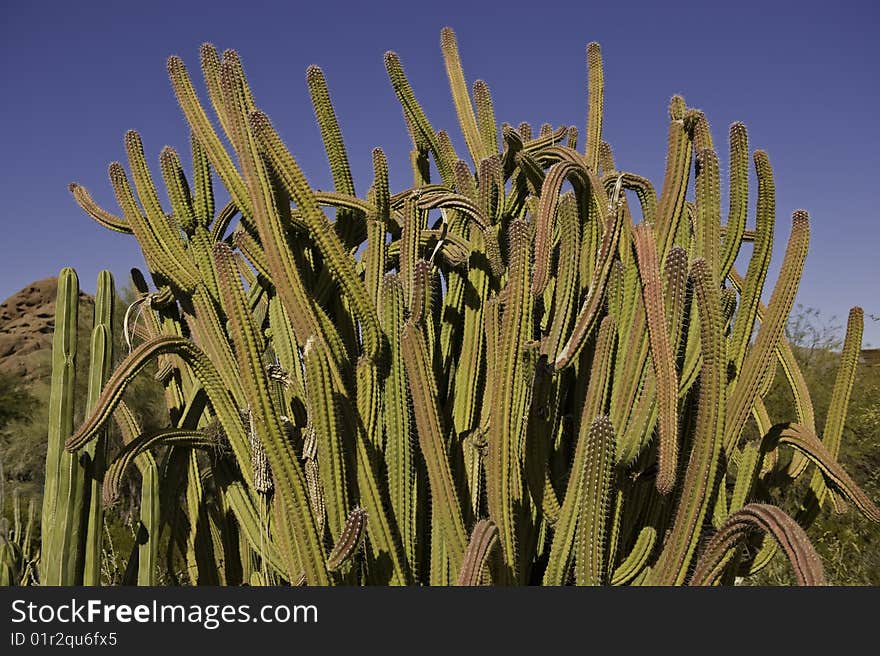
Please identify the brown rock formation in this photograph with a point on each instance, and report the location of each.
(27, 321)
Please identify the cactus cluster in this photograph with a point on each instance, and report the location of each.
(18, 555)
(494, 376)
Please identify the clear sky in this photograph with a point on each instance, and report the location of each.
(802, 76)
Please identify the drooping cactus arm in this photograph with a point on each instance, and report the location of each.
(484, 537)
(662, 355)
(416, 118)
(700, 477)
(762, 352)
(770, 519)
(102, 216)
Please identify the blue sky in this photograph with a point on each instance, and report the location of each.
(802, 76)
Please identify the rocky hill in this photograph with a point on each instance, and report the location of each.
(27, 321)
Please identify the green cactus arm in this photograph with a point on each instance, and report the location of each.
(571, 137)
(615, 526)
(675, 181)
(450, 201)
(201, 565)
(231, 67)
(241, 501)
(837, 408)
(285, 346)
(204, 371)
(614, 294)
(330, 132)
(423, 391)
(675, 275)
(414, 223)
(141, 444)
(708, 206)
(662, 356)
(464, 181)
(504, 485)
(469, 374)
(316, 495)
(728, 308)
(601, 370)
(84, 199)
(637, 558)
(375, 257)
(448, 152)
(566, 289)
(678, 548)
(439, 565)
(302, 309)
(224, 219)
(147, 533)
(203, 186)
(383, 535)
(100, 361)
(486, 118)
(803, 404)
(835, 476)
(750, 296)
(589, 312)
(62, 495)
(748, 465)
(419, 310)
(738, 190)
(288, 476)
(762, 352)
(542, 147)
(349, 540)
(701, 133)
(491, 188)
(596, 87)
(399, 453)
(348, 225)
(178, 190)
(164, 232)
(201, 127)
(592, 534)
(460, 97)
(156, 256)
(452, 249)
(29, 528)
(382, 532)
(528, 175)
(338, 200)
(246, 341)
(484, 537)
(416, 118)
(325, 417)
(583, 182)
(794, 541)
(640, 185)
(538, 441)
(200, 248)
(209, 59)
(210, 334)
(251, 249)
(339, 262)
(566, 524)
(606, 156)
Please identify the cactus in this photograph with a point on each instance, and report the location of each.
(61, 559)
(18, 557)
(72, 516)
(483, 360)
